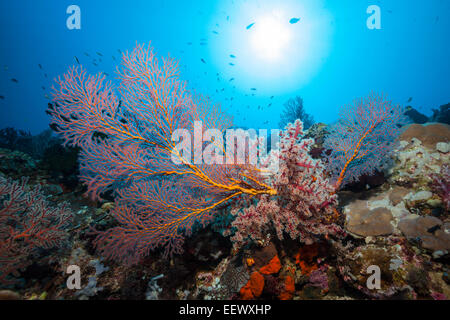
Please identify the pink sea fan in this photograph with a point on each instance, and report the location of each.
(27, 222)
(126, 132)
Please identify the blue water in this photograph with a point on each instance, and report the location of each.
(330, 58)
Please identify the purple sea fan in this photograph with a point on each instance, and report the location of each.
(363, 137)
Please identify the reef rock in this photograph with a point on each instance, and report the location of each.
(365, 222)
(378, 215)
(442, 114)
(16, 164)
(355, 268)
(428, 134)
(431, 232)
(422, 151)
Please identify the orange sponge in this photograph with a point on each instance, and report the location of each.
(254, 287)
(273, 266)
(289, 289)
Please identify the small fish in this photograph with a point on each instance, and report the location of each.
(232, 56)
(114, 58)
(119, 51)
(410, 99)
(2, 97)
(231, 79)
(76, 59)
(86, 54)
(432, 230)
(215, 32)
(203, 43)
(15, 80)
(202, 60)
(45, 75)
(40, 66)
(99, 53)
(231, 64)
(254, 89)
(43, 88)
(189, 43)
(294, 20)
(250, 25)
(271, 97)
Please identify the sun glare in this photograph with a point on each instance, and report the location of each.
(272, 46)
(270, 37)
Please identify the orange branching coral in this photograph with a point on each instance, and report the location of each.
(272, 267)
(254, 287)
(289, 288)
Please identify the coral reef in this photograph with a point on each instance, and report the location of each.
(313, 219)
